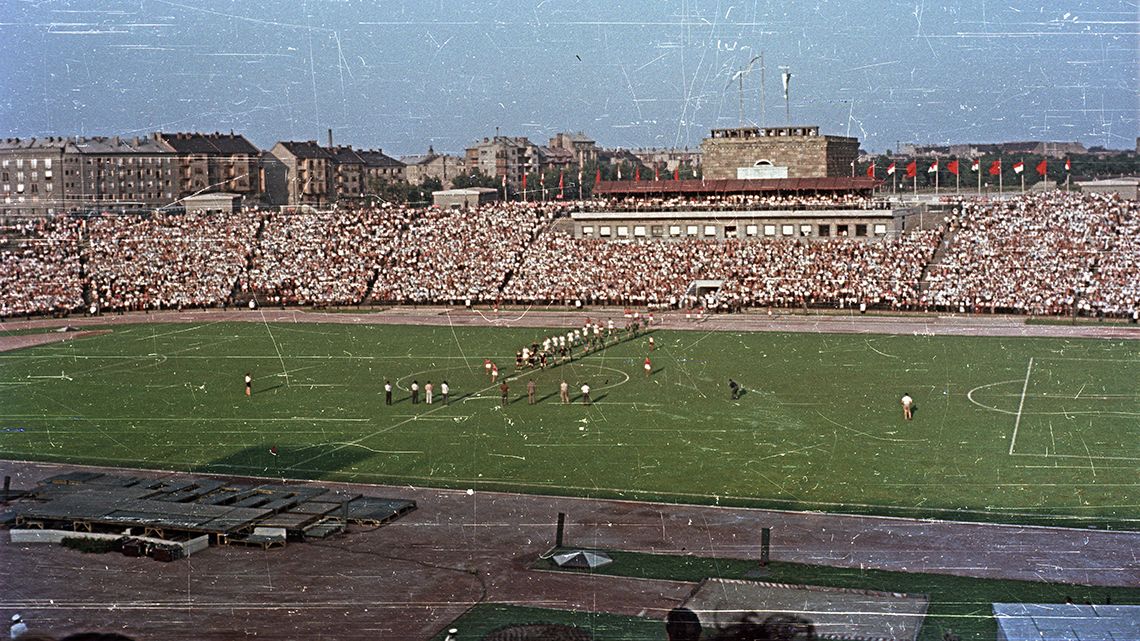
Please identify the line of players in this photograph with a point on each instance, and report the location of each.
(558, 349)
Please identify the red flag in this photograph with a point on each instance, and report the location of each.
(524, 183)
(1068, 165)
(891, 169)
(656, 175)
(598, 177)
(952, 167)
(995, 168)
(975, 165)
(912, 169)
(871, 171)
(637, 173)
(1018, 167)
(560, 184)
(1042, 167)
(677, 172)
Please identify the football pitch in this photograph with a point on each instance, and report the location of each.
(1010, 430)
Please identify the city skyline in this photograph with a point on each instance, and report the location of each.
(405, 75)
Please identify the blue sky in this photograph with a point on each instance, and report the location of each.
(403, 74)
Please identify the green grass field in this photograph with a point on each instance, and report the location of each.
(1010, 430)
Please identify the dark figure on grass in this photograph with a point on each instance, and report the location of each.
(415, 392)
(504, 391)
(734, 389)
(248, 384)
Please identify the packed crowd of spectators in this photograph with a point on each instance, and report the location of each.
(842, 271)
(39, 267)
(1053, 253)
(167, 260)
(564, 270)
(753, 272)
(1039, 254)
(452, 255)
(322, 259)
(1118, 265)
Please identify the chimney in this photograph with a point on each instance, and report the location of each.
(330, 138)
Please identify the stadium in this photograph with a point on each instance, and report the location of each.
(587, 407)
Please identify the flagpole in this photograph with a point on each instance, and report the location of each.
(786, 76)
(958, 180)
(935, 177)
(763, 117)
(1001, 177)
(1023, 175)
(979, 176)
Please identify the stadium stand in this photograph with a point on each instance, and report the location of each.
(1055, 253)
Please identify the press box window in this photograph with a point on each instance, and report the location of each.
(674, 230)
(769, 230)
(604, 230)
(880, 229)
(588, 230)
(710, 230)
(788, 230)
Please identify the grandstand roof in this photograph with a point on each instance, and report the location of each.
(729, 186)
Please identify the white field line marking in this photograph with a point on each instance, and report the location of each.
(177, 331)
(1091, 360)
(284, 369)
(1020, 405)
(970, 396)
(1080, 456)
(458, 343)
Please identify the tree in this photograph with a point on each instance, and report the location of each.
(475, 179)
